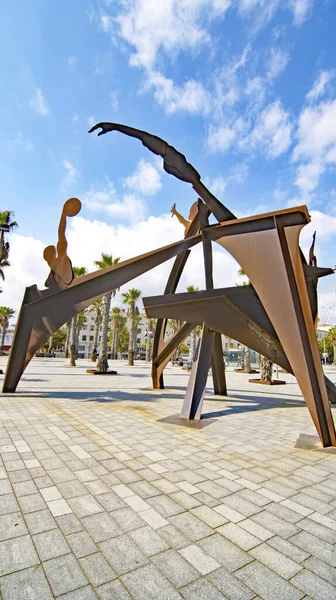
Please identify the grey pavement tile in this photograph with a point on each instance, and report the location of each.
(97, 569)
(114, 590)
(186, 500)
(325, 533)
(101, 527)
(230, 586)
(24, 488)
(32, 503)
(84, 593)
(174, 537)
(148, 540)
(209, 516)
(123, 554)
(283, 512)
(70, 489)
(12, 526)
(276, 561)
(84, 506)
(267, 584)
(16, 476)
(258, 530)
(201, 590)
(61, 475)
(144, 489)
(224, 552)
(165, 506)
(254, 497)
(59, 507)
(315, 546)
(311, 503)
(69, 524)
(97, 487)
(194, 527)
(203, 562)
(81, 544)
(206, 499)
(311, 584)
(5, 487)
(43, 482)
(276, 524)
(242, 538)
(111, 501)
(147, 583)
(30, 584)
(8, 504)
(16, 554)
(175, 568)
(64, 574)
(40, 521)
(50, 544)
(288, 549)
(321, 568)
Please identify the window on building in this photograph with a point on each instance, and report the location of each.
(83, 338)
(139, 331)
(99, 339)
(91, 338)
(92, 328)
(138, 340)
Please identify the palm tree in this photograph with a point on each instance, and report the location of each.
(6, 225)
(246, 353)
(102, 364)
(67, 339)
(192, 347)
(80, 324)
(331, 335)
(149, 339)
(78, 272)
(97, 305)
(6, 313)
(117, 322)
(130, 298)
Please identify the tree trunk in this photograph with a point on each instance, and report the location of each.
(50, 346)
(266, 369)
(148, 340)
(334, 352)
(102, 364)
(131, 337)
(3, 334)
(192, 346)
(247, 360)
(115, 340)
(67, 340)
(73, 342)
(95, 341)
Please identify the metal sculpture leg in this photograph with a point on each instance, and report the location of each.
(267, 248)
(192, 405)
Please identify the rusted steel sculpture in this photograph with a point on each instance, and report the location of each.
(275, 314)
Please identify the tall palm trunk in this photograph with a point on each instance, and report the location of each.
(96, 333)
(247, 360)
(50, 345)
(148, 340)
(102, 364)
(67, 339)
(3, 335)
(115, 340)
(132, 336)
(73, 342)
(266, 369)
(192, 346)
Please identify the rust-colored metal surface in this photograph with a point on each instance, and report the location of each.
(44, 311)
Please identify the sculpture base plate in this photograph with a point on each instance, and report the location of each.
(250, 372)
(95, 372)
(312, 442)
(273, 382)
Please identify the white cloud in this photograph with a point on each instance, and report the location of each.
(316, 145)
(308, 176)
(217, 185)
(277, 62)
(325, 227)
(21, 143)
(106, 23)
(114, 99)
(272, 131)
(39, 104)
(320, 85)
(301, 10)
(70, 176)
(104, 198)
(168, 25)
(146, 179)
(190, 97)
(220, 138)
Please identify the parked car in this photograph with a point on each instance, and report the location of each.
(45, 354)
(184, 360)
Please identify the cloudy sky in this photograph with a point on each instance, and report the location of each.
(244, 88)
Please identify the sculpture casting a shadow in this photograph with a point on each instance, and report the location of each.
(274, 315)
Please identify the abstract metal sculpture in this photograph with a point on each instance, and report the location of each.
(275, 315)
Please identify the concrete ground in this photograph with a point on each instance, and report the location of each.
(105, 494)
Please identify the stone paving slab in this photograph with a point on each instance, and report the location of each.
(105, 493)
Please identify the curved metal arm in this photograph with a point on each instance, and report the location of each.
(174, 163)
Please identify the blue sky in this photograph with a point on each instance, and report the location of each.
(244, 88)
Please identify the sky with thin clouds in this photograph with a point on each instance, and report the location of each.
(246, 89)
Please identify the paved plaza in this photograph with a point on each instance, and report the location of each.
(105, 494)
